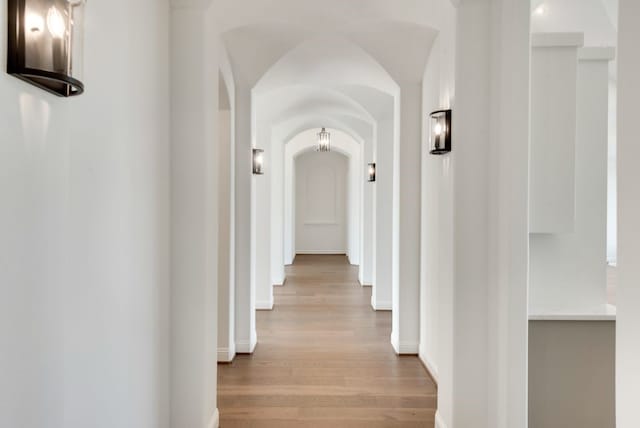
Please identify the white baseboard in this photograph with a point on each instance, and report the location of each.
(246, 347)
(322, 252)
(439, 421)
(431, 368)
(266, 305)
(279, 282)
(214, 422)
(381, 305)
(404, 348)
(226, 355)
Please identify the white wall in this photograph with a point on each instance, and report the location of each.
(84, 252)
(321, 203)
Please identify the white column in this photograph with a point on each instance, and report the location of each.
(367, 217)
(261, 226)
(383, 218)
(276, 173)
(568, 270)
(509, 215)
(554, 62)
(405, 335)
(226, 292)
(246, 337)
(194, 217)
(490, 163)
(628, 294)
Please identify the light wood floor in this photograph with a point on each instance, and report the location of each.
(324, 360)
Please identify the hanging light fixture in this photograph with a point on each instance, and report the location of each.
(324, 141)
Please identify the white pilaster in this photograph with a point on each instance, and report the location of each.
(383, 196)
(246, 337)
(367, 217)
(405, 334)
(261, 224)
(194, 216)
(628, 294)
(490, 164)
(553, 131)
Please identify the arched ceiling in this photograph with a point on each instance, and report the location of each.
(327, 61)
(354, 54)
(358, 130)
(282, 102)
(328, 16)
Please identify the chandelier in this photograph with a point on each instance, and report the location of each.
(324, 141)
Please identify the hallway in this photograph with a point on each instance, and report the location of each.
(324, 360)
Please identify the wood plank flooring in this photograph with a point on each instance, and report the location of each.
(324, 360)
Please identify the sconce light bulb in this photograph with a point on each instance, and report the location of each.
(259, 159)
(33, 22)
(540, 10)
(438, 129)
(55, 23)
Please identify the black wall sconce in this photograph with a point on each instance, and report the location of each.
(46, 44)
(440, 132)
(258, 161)
(372, 172)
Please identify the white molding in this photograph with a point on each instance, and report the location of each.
(246, 347)
(428, 364)
(602, 313)
(597, 54)
(226, 355)
(439, 421)
(214, 422)
(557, 40)
(264, 305)
(280, 282)
(382, 305)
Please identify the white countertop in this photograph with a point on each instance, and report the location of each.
(603, 313)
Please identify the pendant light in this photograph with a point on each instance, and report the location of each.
(324, 141)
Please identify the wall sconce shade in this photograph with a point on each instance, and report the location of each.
(372, 172)
(440, 132)
(45, 44)
(258, 161)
